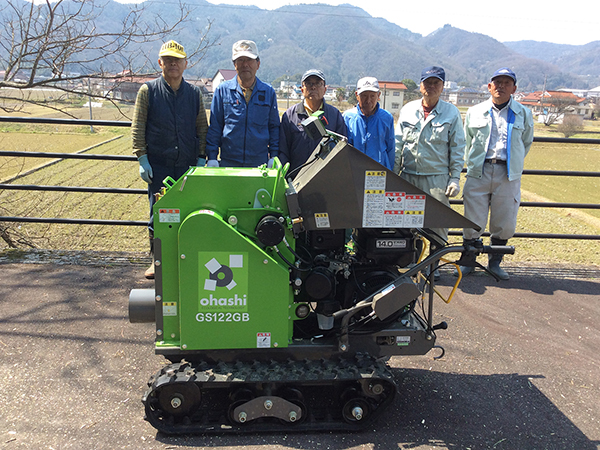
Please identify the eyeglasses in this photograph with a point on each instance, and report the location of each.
(313, 84)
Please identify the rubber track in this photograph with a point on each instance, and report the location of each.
(322, 384)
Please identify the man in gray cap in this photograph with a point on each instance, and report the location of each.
(430, 142)
(370, 127)
(244, 117)
(499, 134)
(295, 145)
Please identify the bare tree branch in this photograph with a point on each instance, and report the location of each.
(60, 44)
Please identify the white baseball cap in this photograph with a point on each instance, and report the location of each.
(367, 84)
(244, 48)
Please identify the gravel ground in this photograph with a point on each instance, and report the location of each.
(521, 369)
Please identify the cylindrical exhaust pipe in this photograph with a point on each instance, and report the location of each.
(142, 306)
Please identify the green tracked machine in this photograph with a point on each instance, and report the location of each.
(278, 301)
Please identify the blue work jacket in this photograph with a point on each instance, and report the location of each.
(372, 135)
(246, 133)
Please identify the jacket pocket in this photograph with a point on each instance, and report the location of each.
(439, 132)
(410, 133)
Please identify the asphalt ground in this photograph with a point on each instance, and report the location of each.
(521, 368)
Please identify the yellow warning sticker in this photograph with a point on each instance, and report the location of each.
(169, 308)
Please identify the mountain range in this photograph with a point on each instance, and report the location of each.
(352, 44)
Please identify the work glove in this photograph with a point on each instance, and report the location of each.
(453, 188)
(212, 163)
(145, 169)
(270, 163)
(201, 162)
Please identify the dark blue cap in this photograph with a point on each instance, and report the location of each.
(313, 73)
(505, 72)
(433, 72)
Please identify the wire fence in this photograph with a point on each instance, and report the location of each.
(121, 191)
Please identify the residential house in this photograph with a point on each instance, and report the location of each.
(220, 76)
(587, 93)
(392, 96)
(556, 103)
(465, 96)
(125, 85)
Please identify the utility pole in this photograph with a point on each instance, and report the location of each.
(542, 101)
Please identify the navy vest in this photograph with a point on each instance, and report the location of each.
(171, 123)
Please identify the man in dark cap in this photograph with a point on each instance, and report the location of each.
(430, 142)
(499, 134)
(294, 144)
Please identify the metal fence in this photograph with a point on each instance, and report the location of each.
(105, 190)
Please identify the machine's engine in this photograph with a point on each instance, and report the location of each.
(278, 301)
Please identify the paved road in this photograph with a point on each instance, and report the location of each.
(521, 370)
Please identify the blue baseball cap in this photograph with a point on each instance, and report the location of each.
(433, 72)
(505, 72)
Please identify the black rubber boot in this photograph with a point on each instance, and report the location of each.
(495, 260)
(466, 270)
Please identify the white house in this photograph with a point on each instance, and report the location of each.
(392, 96)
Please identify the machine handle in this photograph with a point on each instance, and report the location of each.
(499, 249)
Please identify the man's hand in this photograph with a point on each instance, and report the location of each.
(453, 188)
(145, 169)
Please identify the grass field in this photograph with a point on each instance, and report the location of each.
(571, 157)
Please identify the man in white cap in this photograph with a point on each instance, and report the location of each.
(499, 134)
(244, 117)
(295, 145)
(370, 127)
(169, 126)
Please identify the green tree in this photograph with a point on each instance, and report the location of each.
(410, 84)
(352, 98)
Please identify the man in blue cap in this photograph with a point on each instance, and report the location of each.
(430, 142)
(499, 134)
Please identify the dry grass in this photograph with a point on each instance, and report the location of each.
(135, 207)
(71, 172)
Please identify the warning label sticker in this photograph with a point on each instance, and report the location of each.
(390, 209)
(263, 340)
(374, 199)
(402, 341)
(322, 220)
(169, 308)
(169, 216)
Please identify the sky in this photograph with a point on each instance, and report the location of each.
(575, 22)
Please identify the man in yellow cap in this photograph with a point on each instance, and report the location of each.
(169, 126)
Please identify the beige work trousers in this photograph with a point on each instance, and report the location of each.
(495, 195)
(434, 185)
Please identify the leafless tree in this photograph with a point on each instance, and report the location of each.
(65, 46)
(571, 125)
(556, 107)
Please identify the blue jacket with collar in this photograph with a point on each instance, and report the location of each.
(373, 135)
(246, 133)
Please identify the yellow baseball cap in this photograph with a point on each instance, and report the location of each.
(173, 49)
